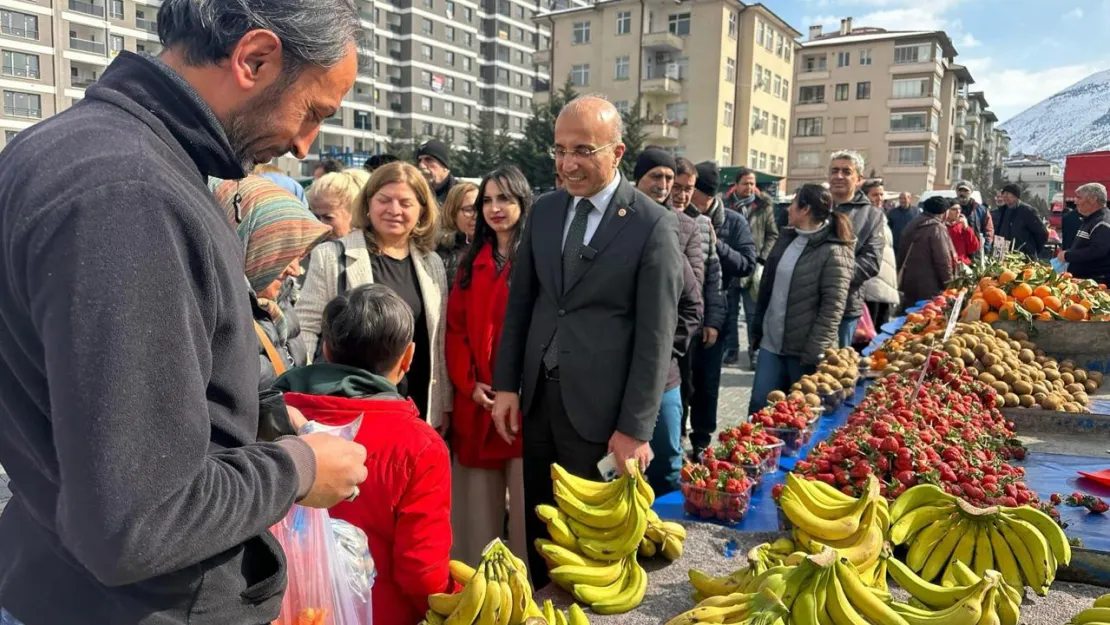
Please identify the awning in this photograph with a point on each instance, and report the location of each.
(728, 178)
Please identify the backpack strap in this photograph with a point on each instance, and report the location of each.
(271, 351)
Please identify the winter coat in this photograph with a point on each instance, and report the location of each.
(765, 232)
(291, 350)
(1022, 227)
(898, 218)
(690, 312)
(883, 288)
(979, 219)
(404, 506)
(689, 241)
(818, 294)
(867, 225)
(1089, 255)
(713, 293)
(927, 259)
(474, 317)
(964, 241)
(452, 253)
(1069, 227)
(735, 246)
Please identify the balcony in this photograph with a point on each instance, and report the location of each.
(542, 57)
(87, 8)
(920, 67)
(910, 135)
(23, 111)
(541, 86)
(364, 98)
(961, 131)
(81, 82)
(817, 73)
(664, 41)
(663, 131)
(395, 81)
(366, 14)
(22, 33)
(961, 102)
(919, 102)
(150, 26)
(395, 107)
(21, 71)
(84, 45)
(662, 81)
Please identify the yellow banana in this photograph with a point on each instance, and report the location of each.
(643, 489)
(1051, 530)
(864, 547)
(575, 615)
(585, 531)
(509, 601)
(561, 534)
(473, 597)
(967, 612)
(560, 618)
(1039, 551)
(444, 604)
(630, 596)
(587, 491)
(984, 553)
(549, 612)
(560, 556)
(461, 572)
(861, 597)
(817, 504)
(674, 529)
(647, 548)
(989, 613)
(965, 549)
(432, 618)
(782, 546)
(805, 607)
(603, 516)
(611, 551)
(1032, 571)
(490, 614)
(943, 551)
(829, 493)
(718, 586)
(839, 608)
(548, 513)
(930, 594)
(1092, 615)
(1009, 610)
(822, 529)
(926, 541)
(600, 575)
(522, 595)
(920, 495)
(734, 612)
(1103, 601)
(1004, 559)
(590, 595)
(672, 548)
(906, 527)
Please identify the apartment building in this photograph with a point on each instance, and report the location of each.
(1042, 178)
(425, 66)
(713, 76)
(885, 94)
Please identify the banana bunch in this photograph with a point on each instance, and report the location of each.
(1025, 545)
(573, 616)
(496, 593)
(825, 517)
(1098, 614)
(663, 538)
(1002, 600)
(761, 559)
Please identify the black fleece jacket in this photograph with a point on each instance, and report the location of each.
(129, 407)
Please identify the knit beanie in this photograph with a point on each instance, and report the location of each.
(709, 178)
(1012, 188)
(935, 205)
(651, 158)
(437, 150)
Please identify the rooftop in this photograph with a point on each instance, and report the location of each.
(865, 34)
(962, 73)
(600, 4)
(980, 96)
(990, 116)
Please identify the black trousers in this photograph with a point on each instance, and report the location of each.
(550, 437)
(707, 388)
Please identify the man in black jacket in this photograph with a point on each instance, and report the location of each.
(129, 409)
(845, 178)
(434, 160)
(1017, 222)
(1089, 255)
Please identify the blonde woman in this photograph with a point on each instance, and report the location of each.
(459, 219)
(392, 242)
(334, 199)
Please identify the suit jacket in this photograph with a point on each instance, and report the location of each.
(616, 318)
(322, 282)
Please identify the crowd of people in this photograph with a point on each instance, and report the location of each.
(174, 310)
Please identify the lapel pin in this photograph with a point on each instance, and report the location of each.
(622, 212)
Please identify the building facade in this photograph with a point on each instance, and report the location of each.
(712, 76)
(425, 66)
(1041, 177)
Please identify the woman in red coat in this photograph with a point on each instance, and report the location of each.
(964, 240)
(485, 467)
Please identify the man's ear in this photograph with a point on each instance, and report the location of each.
(406, 359)
(327, 352)
(256, 60)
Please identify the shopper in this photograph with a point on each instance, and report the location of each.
(378, 160)
(1070, 224)
(405, 505)
(129, 407)
(965, 241)
(1089, 256)
(802, 297)
(749, 202)
(1018, 223)
(867, 225)
(900, 216)
(277, 176)
(434, 160)
(486, 467)
(738, 258)
(459, 216)
(880, 294)
(334, 199)
(977, 215)
(392, 244)
(927, 257)
(327, 166)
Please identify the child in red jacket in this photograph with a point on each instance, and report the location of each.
(404, 506)
(963, 236)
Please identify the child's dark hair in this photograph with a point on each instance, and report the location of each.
(369, 328)
(819, 201)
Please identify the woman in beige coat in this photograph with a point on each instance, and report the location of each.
(392, 243)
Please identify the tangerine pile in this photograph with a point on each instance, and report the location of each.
(1011, 296)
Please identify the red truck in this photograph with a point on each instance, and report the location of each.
(1079, 169)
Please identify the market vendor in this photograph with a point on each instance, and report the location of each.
(1089, 255)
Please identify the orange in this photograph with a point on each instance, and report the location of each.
(991, 317)
(1086, 303)
(1008, 311)
(1027, 274)
(1053, 303)
(1006, 277)
(1044, 317)
(1043, 291)
(995, 296)
(1033, 304)
(985, 282)
(1075, 312)
(1021, 292)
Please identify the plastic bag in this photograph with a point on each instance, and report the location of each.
(865, 330)
(320, 590)
(1058, 265)
(355, 565)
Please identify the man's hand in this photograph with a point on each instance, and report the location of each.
(709, 336)
(483, 396)
(340, 468)
(506, 415)
(444, 425)
(296, 418)
(624, 447)
(1062, 256)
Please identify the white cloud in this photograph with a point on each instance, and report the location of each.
(1074, 14)
(967, 41)
(1008, 89)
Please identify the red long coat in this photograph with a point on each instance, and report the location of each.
(474, 319)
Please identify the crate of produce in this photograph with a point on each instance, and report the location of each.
(792, 440)
(726, 506)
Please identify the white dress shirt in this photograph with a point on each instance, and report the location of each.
(593, 220)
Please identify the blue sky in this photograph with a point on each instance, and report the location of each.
(1018, 51)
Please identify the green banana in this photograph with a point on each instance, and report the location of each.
(920, 495)
(1032, 571)
(1051, 530)
(905, 528)
(926, 541)
(1004, 559)
(943, 551)
(575, 615)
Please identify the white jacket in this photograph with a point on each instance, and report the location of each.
(883, 288)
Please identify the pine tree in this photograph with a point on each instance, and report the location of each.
(981, 175)
(401, 144)
(487, 146)
(634, 137)
(532, 151)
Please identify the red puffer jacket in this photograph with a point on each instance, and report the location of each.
(404, 506)
(474, 318)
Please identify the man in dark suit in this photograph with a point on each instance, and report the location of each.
(591, 318)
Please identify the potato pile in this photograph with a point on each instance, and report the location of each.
(834, 381)
(1022, 374)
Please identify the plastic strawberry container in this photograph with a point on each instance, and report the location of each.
(769, 463)
(713, 505)
(793, 440)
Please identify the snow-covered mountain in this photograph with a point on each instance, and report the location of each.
(1076, 119)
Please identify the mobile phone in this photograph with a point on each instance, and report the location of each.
(607, 466)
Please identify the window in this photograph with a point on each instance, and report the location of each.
(778, 86)
(466, 111)
(769, 42)
(788, 51)
(468, 63)
(426, 26)
(759, 28)
(21, 65)
(116, 43)
(468, 39)
(520, 34)
(911, 88)
(468, 88)
(679, 24)
(862, 123)
(779, 45)
(843, 59)
(449, 84)
(757, 119)
(449, 8)
(863, 90)
(429, 4)
(9, 135)
(814, 63)
(518, 101)
(781, 166)
(757, 77)
(763, 161)
(908, 122)
(426, 52)
(449, 58)
(19, 25)
(782, 129)
(677, 111)
(729, 113)
(449, 109)
(785, 90)
(520, 57)
(580, 75)
(809, 158)
(502, 76)
(581, 32)
(733, 25)
(730, 70)
(726, 156)
(115, 9)
(519, 12)
(865, 56)
(753, 159)
(518, 123)
(841, 91)
(19, 104)
(809, 127)
(449, 33)
(426, 104)
(624, 22)
(683, 66)
(907, 155)
(774, 125)
(767, 80)
(840, 125)
(469, 13)
(811, 94)
(622, 106)
(765, 117)
(914, 53)
(620, 72)
(429, 129)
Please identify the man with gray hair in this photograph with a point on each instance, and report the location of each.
(129, 412)
(868, 224)
(1089, 255)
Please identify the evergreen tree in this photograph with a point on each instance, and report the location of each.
(401, 144)
(634, 137)
(487, 146)
(981, 175)
(532, 152)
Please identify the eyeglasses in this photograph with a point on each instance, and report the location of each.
(469, 211)
(581, 153)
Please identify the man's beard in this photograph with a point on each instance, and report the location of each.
(249, 124)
